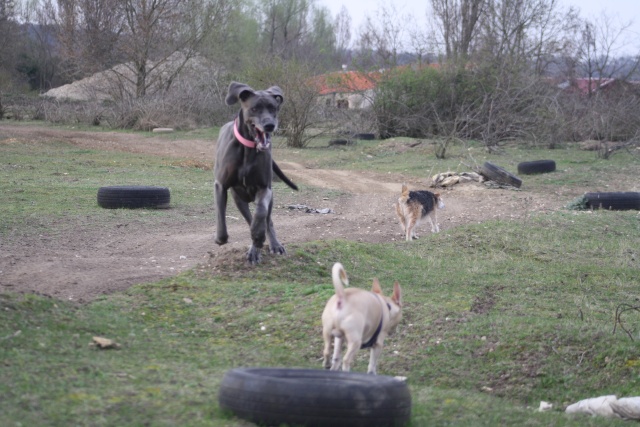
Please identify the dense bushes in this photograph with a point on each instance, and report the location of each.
(496, 104)
(463, 102)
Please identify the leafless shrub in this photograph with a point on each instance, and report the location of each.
(609, 115)
(480, 103)
(300, 120)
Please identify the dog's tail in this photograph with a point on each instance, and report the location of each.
(340, 280)
(282, 176)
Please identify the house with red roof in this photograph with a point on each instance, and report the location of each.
(587, 86)
(346, 89)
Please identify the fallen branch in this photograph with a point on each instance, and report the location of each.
(619, 310)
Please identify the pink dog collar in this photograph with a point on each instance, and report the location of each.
(244, 141)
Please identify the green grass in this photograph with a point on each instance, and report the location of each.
(44, 182)
(574, 168)
(498, 316)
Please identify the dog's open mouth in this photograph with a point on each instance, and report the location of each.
(262, 139)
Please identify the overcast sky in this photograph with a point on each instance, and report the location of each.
(621, 11)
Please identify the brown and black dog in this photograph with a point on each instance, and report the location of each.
(413, 206)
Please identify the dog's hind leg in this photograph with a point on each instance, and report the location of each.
(353, 345)
(326, 351)
(221, 208)
(400, 215)
(336, 360)
(374, 355)
(434, 222)
(411, 224)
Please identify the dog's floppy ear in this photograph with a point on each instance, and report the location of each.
(238, 91)
(375, 288)
(277, 93)
(397, 294)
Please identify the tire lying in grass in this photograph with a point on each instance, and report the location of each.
(500, 175)
(133, 197)
(314, 397)
(618, 201)
(536, 166)
(365, 136)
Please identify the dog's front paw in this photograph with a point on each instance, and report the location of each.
(222, 240)
(277, 249)
(253, 255)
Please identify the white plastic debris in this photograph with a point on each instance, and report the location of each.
(593, 406)
(545, 406)
(627, 408)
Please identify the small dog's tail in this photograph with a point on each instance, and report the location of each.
(340, 280)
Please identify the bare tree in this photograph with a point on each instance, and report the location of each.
(285, 25)
(142, 34)
(300, 110)
(319, 45)
(343, 30)
(601, 42)
(156, 29)
(7, 34)
(88, 32)
(603, 106)
(456, 24)
(381, 40)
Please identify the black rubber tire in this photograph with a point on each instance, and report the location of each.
(365, 136)
(314, 397)
(500, 175)
(133, 197)
(617, 201)
(339, 142)
(536, 166)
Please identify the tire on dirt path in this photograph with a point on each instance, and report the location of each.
(536, 166)
(133, 197)
(314, 397)
(618, 201)
(499, 175)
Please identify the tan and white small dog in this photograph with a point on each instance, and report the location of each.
(362, 318)
(413, 206)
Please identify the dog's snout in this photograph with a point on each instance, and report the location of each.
(269, 127)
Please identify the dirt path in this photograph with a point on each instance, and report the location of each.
(82, 260)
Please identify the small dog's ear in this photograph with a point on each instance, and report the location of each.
(277, 93)
(397, 294)
(375, 288)
(405, 190)
(238, 91)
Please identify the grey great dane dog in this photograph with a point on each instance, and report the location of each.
(244, 165)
